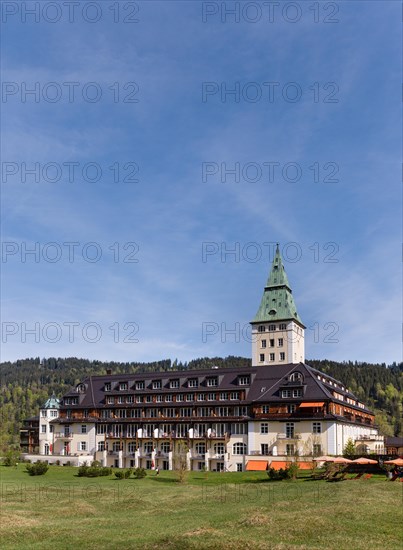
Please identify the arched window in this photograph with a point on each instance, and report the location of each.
(296, 377)
(200, 448)
(80, 388)
(239, 449)
(219, 448)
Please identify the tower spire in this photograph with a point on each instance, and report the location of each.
(277, 315)
(277, 302)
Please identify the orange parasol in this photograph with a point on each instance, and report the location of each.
(364, 460)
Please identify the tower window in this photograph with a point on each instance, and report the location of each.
(272, 356)
(263, 343)
(280, 342)
(272, 342)
(261, 328)
(261, 357)
(282, 356)
(272, 328)
(283, 326)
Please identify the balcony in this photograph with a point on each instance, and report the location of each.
(62, 435)
(289, 437)
(161, 454)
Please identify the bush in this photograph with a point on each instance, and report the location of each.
(120, 474)
(139, 473)
(95, 470)
(37, 469)
(11, 458)
(282, 473)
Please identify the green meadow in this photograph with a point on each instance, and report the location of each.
(208, 511)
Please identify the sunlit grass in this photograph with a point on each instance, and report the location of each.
(210, 511)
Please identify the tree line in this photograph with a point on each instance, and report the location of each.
(27, 383)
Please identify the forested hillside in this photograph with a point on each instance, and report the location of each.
(27, 383)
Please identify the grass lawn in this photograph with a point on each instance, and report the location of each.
(210, 511)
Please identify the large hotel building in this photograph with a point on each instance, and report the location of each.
(227, 419)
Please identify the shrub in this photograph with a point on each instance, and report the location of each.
(282, 473)
(128, 473)
(95, 470)
(139, 473)
(11, 458)
(120, 474)
(37, 469)
(82, 471)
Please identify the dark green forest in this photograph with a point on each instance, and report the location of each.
(27, 383)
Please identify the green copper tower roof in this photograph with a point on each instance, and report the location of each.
(277, 302)
(52, 403)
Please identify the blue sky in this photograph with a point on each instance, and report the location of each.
(172, 134)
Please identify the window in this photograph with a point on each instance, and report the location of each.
(291, 408)
(108, 386)
(261, 357)
(264, 428)
(272, 342)
(80, 388)
(44, 414)
(265, 409)
(212, 382)
(82, 446)
(289, 430)
(101, 429)
(201, 397)
(139, 398)
(264, 449)
(129, 399)
(239, 449)
(316, 427)
(219, 448)
(123, 386)
(158, 399)
(84, 428)
(289, 449)
(149, 399)
(101, 445)
(120, 399)
(211, 397)
(244, 380)
(282, 326)
(239, 429)
(280, 342)
(282, 356)
(179, 397)
(272, 356)
(140, 385)
(234, 395)
(174, 384)
(157, 384)
(296, 377)
(51, 430)
(43, 428)
(168, 398)
(239, 467)
(272, 328)
(263, 344)
(186, 412)
(53, 414)
(189, 397)
(200, 448)
(316, 449)
(223, 396)
(110, 400)
(193, 383)
(261, 328)
(165, 447)
(297, 393)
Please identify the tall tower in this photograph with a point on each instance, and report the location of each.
(277, 330)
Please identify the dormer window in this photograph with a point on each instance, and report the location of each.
(193, 383)
(80, 388)
(244, 380)
(108, 386)
(140, 385)
(123, 386)
(174, 384)
(212, 382)
(296, 377)
(156, 384)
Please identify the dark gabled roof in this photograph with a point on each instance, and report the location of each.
(393, 441)
(265, 384)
